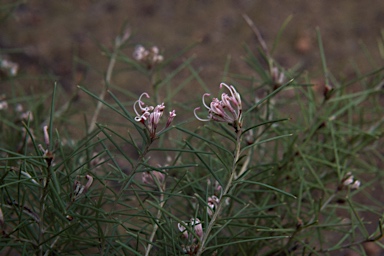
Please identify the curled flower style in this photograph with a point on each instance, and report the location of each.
(144, 111)
(228, 109)
(150, 116)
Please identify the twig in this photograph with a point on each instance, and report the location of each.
(158, 216)
(42, 208)
(228, 187)
(118, 43)
(258, 34)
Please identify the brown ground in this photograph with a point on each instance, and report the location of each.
(50, 34)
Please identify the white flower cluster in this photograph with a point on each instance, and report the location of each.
(3, 103)
(149, 57)
(9, 67)
(350, 181)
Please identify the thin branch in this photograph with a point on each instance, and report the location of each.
(118, 43)
(227, 189)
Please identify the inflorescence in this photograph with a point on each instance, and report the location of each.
(150, 116)
(228, 109)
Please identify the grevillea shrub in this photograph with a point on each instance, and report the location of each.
(274, 165)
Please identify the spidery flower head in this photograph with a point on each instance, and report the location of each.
(150, 116)
(149, 57)
(228, 109)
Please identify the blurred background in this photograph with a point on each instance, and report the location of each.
(50, 37)
(63, 41)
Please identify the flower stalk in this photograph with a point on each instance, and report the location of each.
(157, 178)
(48, 156)
(230, 186)
(119, 42)
(228, 109)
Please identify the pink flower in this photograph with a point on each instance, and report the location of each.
(89, 182)
(48, 155)
(149, 57)
(154, 118)
(196, 225)
(3, 104)
(150, 116)
(228, 109)
(148, 177)
(212, 202)
(79, 188)
(349, 181)
(277, 76)
(172, 115)
(145, 111)
(356, 184)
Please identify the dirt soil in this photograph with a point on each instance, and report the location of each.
(49, 35)
(48, 38)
